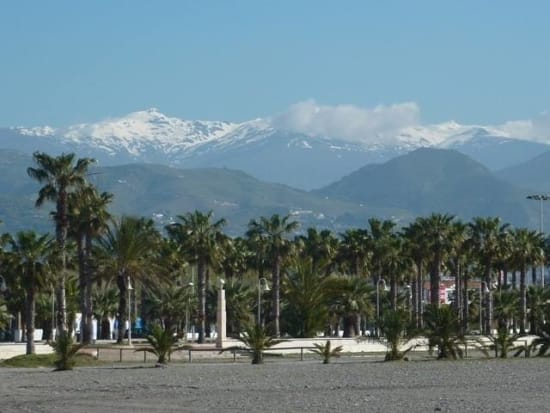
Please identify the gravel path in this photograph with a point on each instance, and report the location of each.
(515, 385)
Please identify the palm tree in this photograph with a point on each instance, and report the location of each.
(394, 325)
(350, 298)
(415, 248)
(199, 238)
(321, 247)
(105, 300)
(60, 176)
(526, 251)
(30, 253)
(88, 218)
(128, 251)
(167, 304)
(305, 290)
(435, 231)
(257, 340)
(326, 351)
(458, 262)
(355, 248)
(506, 308)
(442, 331)
(273, 232)
(486, 239)
(162, 343)
(538, 301)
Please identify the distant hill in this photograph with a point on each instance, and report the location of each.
(412, 185)
(434, 180)
(534, 175)
(162, 192)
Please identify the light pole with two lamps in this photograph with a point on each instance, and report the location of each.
(262, 286)
(541, 198)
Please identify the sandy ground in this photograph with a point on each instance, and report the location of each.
(515, 385)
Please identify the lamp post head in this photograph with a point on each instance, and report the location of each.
(263, 285)
(539, 197)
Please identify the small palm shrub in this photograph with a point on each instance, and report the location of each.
(394, 327)
(503, 343)
(326, 351)
(441, 329)
(4, 315)
(65, 350)
(162, 343)
(541, 344)
(257, 340)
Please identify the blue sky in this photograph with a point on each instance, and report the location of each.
(64, 62)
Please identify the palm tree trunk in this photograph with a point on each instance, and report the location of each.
(419, 295)
(29, 320)
(122, 307)
(522, 301)
(393, 291)
(458, 294)
(81, 285)
(201, 270)
(61, 231)
(87, 316)
(276, 280)
(435, 281)
(465, 305)
(414, 300)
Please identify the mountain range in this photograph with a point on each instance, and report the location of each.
(161, 167)
(264, 148)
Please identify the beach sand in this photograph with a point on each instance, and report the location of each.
(347, 384)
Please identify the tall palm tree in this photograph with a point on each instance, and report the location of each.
(435, 231)
(458, 261)
(538, 301)
(199, 238)
(59, 175)
(273, 232)
(350, 298)
(527, 249)
(415, 248)
(88, 218)
(486, 240)
(305, 290)
(30, 253)
(355, 249)
(320, 246)
(128, 251)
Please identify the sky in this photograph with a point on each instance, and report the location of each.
(413, 62)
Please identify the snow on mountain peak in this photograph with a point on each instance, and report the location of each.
(147, 127)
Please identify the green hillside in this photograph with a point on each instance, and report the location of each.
(434, 180)
(162, 193)
(416, 184)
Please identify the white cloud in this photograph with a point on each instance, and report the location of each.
(348, 122)
(536, 129)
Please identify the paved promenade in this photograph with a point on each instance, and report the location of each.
(287, 347)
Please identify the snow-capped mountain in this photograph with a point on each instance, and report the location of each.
(260, 147)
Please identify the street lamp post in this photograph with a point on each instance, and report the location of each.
(262, 286)
(189, 285)
(380, 281)
(483, 289)
(541, 198)
(129, 288)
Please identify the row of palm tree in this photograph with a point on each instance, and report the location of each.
(319, 281)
